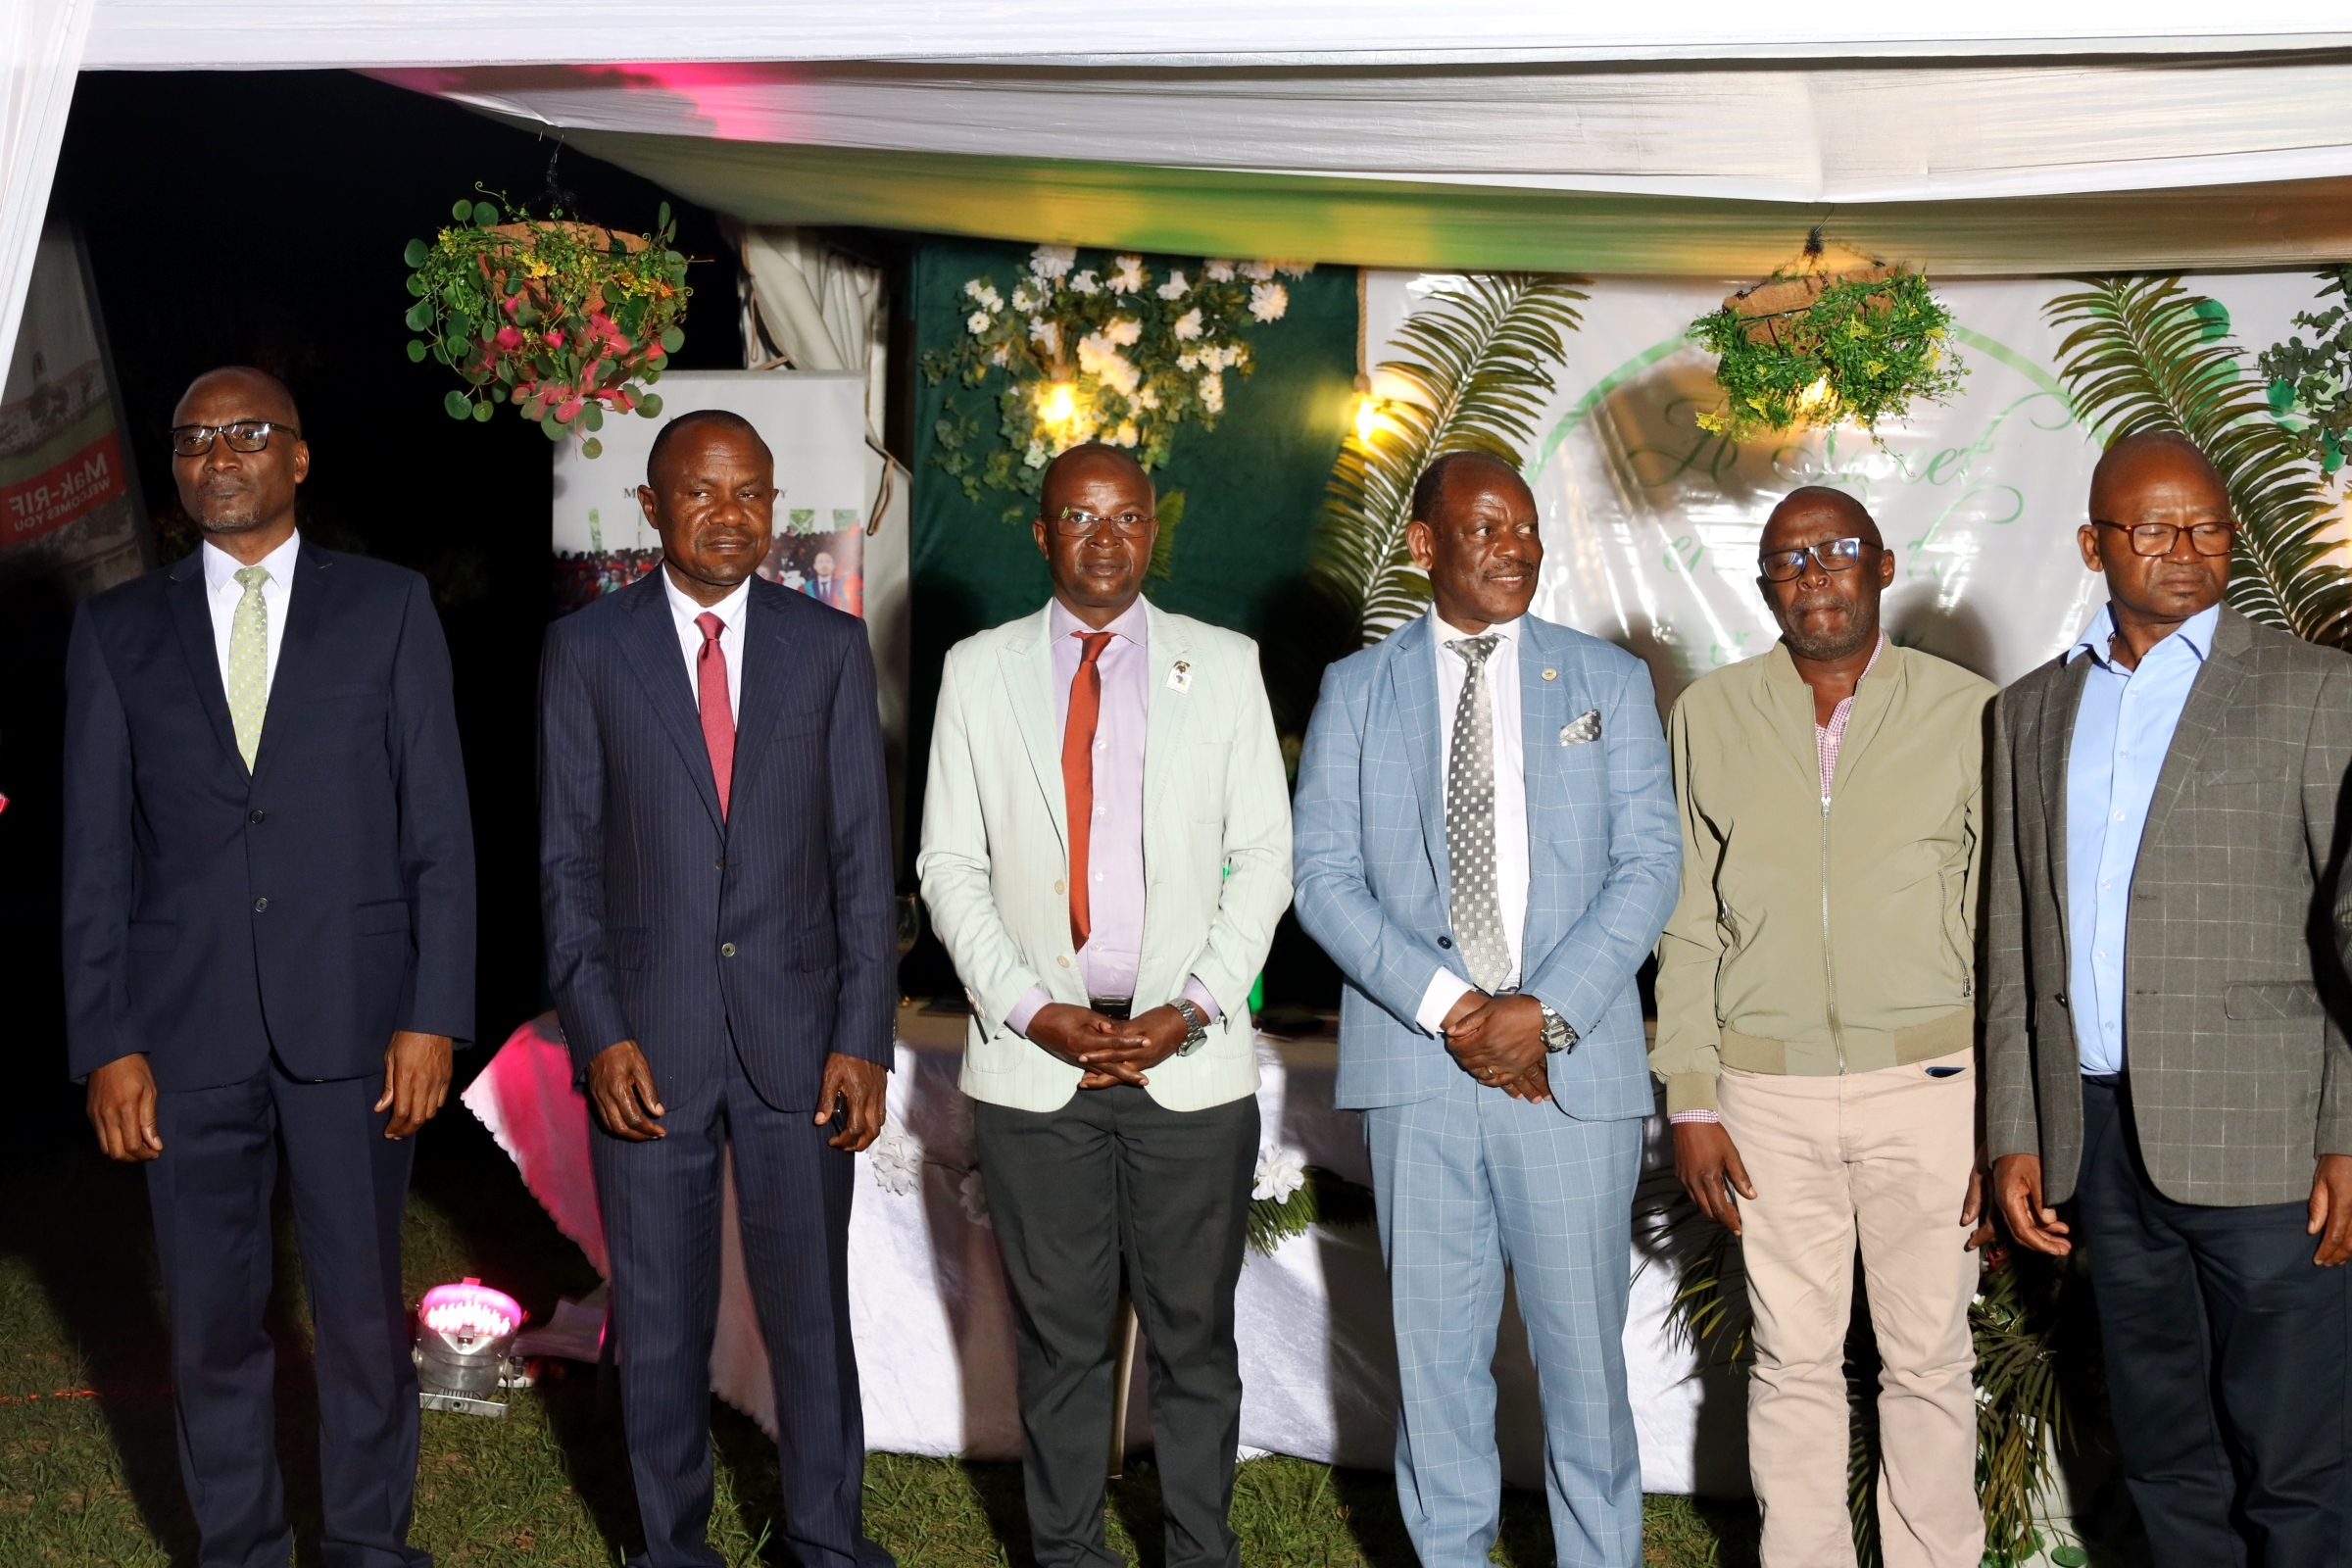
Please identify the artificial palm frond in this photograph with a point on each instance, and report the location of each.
(1477, 366)
(2144, 354)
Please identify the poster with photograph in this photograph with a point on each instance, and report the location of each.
(813, 422)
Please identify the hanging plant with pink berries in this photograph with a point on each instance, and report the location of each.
(563, 320)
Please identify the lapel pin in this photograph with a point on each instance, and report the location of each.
(1552, 674)
(1180, 677)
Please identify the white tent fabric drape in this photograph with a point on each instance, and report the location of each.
(40, 51)
(823, 310)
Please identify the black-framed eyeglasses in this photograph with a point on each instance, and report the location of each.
(244, 435)
(1076, 523)
(1831, 555)
(2160, 538)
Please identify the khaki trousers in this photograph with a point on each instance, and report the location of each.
(1883, 1158)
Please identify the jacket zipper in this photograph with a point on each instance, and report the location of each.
(1828, 970)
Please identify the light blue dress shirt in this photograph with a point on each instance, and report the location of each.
(2122, 733)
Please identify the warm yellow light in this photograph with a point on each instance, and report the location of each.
(1059, 404)
(1810, 400)
(1367, 419)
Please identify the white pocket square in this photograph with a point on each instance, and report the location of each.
(1585, 727)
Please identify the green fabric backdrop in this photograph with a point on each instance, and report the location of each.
(1253, 487)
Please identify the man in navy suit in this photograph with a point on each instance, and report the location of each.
(268, 939)
(716, 872)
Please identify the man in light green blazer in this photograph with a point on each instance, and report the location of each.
(1105, 850)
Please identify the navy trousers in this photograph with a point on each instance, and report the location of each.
(661, 1202)
(2226, 1363)
(210, 1191)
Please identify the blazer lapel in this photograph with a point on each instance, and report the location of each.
(2061, 700)
(1544, 706)
(1413, 680)
(2210, 698)
(1165, 719)
(767, 656)
(1027, 660)
(194, 618)
(300, 658)
(660, 661)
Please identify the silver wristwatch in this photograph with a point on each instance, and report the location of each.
(1196, 1026)
(1559, 1034)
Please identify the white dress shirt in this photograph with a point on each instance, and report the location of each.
(222, 591)
(730, 613)
(1446, 987)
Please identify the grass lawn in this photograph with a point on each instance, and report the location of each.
(91, 1477)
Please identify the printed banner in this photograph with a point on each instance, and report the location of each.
(69, 505)
(1650, 523)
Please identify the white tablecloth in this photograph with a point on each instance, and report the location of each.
(934, 1328)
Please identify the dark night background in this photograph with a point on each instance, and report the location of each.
(259, 218)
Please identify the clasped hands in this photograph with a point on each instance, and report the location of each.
(1108, 1050)
(620, 1086)
(1499, 1042)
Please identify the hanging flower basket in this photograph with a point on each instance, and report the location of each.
(1810, 348)
(564, 320)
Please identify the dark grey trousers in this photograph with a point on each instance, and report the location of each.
(2226, 1363)
(1114, 1176)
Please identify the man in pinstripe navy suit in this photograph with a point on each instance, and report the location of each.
(716, 873)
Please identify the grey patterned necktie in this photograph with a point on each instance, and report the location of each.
(1470, 822)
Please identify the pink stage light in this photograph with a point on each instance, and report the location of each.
(470, 1310)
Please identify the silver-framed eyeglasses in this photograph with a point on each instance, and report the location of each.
(1831, 555)
(2161, 538)
(243, 435)
(1076, 523)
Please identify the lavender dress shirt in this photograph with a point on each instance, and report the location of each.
(1114, 944)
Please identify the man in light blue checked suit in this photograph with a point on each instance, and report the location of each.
(1487, 847)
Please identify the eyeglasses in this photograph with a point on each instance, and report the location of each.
(1076, 523)
(245, 435)
(2160, 538)
(1831, 555)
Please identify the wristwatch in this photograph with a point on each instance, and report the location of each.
(1196, 1026)
(1559, 1034)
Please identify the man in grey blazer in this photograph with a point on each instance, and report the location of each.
(2162, 1045)
(1487, 849)
(1107, 848)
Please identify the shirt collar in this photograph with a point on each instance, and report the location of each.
(220, 568)
(1131, 623)
(1444, 631)
(2196, 631)
(729, 610)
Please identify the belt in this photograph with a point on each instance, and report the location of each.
(1115, 1008)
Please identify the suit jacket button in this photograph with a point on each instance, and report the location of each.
(726, 949)
(1061, 887)
(1444, 942)
(720, 864)
(1063, 959)
(2060, 999)
(258, 904)
(258, 816)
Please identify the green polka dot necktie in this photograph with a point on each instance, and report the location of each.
(249, 662)
(1470, 823)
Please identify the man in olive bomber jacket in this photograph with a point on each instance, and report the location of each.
(1817, 1031)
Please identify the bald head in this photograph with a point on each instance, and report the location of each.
(2133, 461)
(1800, 509)
(1078, 466)
(261, 395)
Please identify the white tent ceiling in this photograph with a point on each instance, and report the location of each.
(2002, 135)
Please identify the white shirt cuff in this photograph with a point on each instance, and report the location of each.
(1445, 988)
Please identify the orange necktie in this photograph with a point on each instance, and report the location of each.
(1078, 773)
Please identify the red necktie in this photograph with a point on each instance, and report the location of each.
(718, 718)
(1078, 773)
